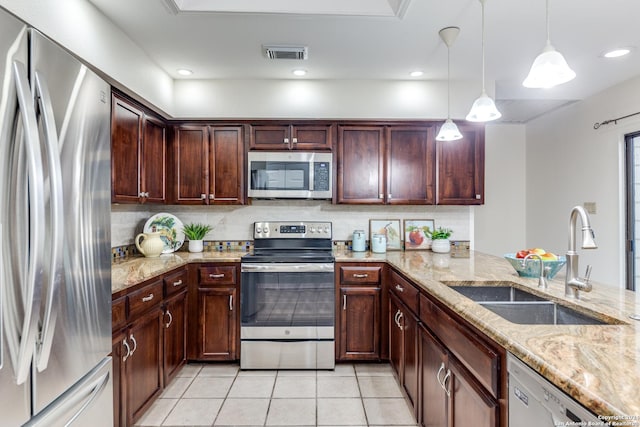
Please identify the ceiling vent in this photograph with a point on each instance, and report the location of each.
(285, 52)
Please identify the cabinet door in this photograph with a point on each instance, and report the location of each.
(191, 165)
(174, 331)
(217, 328)
(409, 324)
(433, 366)
(461, 168)
(360, 165)
(270, 137)
(312, 137)
(118, 354)
(144, 365)
(396, 345)
(126, 128)
(226, 165)
(410, 165)
(154, 153)
(470, 403)
(359, 323)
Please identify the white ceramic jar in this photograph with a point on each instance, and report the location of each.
(358, 241)
(379, 243)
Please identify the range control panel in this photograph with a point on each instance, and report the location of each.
(292, 230)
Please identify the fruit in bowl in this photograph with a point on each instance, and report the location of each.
(532, 266)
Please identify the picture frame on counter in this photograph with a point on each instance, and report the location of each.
(416, 234)
(391, 229)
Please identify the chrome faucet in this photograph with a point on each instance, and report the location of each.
(542, 280)
(573, 282)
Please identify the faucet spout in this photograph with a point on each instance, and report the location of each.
(542, 278)
(573, 282)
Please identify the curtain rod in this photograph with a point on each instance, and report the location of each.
(614, 121)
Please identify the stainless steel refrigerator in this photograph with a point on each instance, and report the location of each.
(55, 263)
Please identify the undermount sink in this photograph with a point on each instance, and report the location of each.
(519, 306)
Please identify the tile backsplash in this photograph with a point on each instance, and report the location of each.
(233, 223)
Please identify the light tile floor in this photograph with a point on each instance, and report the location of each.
(222, 395)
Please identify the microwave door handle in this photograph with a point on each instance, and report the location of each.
(56, 212)
(36, 218)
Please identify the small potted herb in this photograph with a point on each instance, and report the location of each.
(195, 232)
(440, 240)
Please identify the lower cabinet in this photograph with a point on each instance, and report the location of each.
(174, 335)
(435, 400)
(215, 323)
(403, 347)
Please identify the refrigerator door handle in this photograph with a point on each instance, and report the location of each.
(84, 393)
(55, 273)
(32, 288)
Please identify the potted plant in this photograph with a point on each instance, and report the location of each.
(195, 232)
(440, 240)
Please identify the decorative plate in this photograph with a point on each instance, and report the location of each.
(170, 228)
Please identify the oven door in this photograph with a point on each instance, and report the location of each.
(287, 316)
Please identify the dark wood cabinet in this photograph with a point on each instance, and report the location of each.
(118, 353)
(138, 154)
(433, 363)
(208, 165)
(358, 311)
(386, 165)
(143, 366)
(174, 335)
(216, 320)
(461, 168)
(410, 157)
(291, 137)
(360, 165)
(403, 347)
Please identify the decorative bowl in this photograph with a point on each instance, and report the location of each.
(532, 267)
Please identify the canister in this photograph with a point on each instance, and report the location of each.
(358, 242)
(379, 243)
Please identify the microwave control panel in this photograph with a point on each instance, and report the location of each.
(321, 176)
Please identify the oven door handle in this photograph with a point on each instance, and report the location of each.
(302, 267)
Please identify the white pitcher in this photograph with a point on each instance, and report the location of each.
(150, 244)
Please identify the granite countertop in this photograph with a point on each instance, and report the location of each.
(598, 365)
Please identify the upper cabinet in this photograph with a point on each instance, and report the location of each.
(138, 154)
(461, 168)
(386, 165)
(208, 165)
(291, 137)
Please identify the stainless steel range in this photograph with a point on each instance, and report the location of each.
(287, 298)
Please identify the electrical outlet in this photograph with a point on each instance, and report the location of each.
(590, 207)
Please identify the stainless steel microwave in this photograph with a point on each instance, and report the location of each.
(290, 175)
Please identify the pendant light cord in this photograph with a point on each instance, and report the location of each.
(548, 32)
(448, 82)
(483, 87)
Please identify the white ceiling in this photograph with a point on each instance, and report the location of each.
(228, 45)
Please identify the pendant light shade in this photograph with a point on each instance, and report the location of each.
(550, 68)
(449, 131)
(483, 108)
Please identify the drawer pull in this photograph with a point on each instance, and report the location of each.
(230, 302)
(438, 375)
(444, 382)
(168, 313)
(178, 283)
(216, 276)
(135, 345)
(360, 276)
(126, 344)
(399, 288)
(147, 298)
(344, 302)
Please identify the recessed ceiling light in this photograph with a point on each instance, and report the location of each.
(617, 53)
(184, 72)
(416, 73)
(299, 73)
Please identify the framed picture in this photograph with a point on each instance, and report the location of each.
(390, 228)
(415, 233)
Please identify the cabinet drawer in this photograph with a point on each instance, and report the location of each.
(217, 275)
(357, 275)
(480, 359)
(118, 314)
(404, 290)
(144, 299)
(175, 282)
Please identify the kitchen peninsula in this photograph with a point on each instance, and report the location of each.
(598, 365)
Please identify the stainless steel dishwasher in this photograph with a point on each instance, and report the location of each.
(535, 402)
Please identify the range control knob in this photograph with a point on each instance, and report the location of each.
(312, 230)
(258, 230)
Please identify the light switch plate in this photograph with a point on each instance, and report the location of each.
(590, 207)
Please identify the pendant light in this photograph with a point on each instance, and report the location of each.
(549, 68)
(449, 131)
(483, 109)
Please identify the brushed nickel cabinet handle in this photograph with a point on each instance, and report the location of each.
(126, 344)
(147, 298)
(216, 276)
(178, 283)
(360, 276)
(170, 319)
(344, 302)
(399, 288)
(135, 345)
(230, 302)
